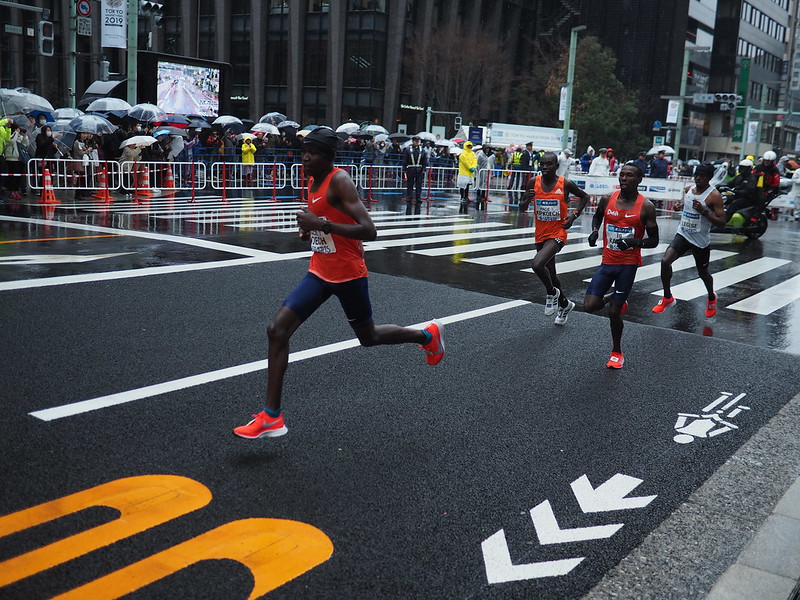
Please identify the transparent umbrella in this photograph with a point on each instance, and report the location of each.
(66, 113)
(92, 124)
(226, 120)
(289, 125)
(109, 105)
(12, 101)
(139, 140)
(272, 118)
(657, 149)
(348, 128)
(146, 112)
(376, 129)
(265, 128)
(427, 136)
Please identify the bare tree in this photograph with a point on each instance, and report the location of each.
(449, 71)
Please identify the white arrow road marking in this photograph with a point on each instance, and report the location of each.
(500, 569)
(544, 520)
(609, 495)
(52, 259)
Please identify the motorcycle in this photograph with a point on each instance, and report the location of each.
(751, 221)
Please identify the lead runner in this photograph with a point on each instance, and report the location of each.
(336, 222)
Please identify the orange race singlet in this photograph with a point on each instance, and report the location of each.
(551, 210)
(619, 224)
(335, 259)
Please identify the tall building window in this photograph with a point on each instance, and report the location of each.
(172, 29)
(206, 27)
(241, 49)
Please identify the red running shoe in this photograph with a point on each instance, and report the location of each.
(711, 307)
(435, 348)
(663, 304)
(262, 425)
(616, 360)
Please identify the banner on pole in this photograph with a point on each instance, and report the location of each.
(672, 111)
(114, 23)
(562, 104)
(752, 130)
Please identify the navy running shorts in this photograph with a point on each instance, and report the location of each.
(312, 292)
(620, 276)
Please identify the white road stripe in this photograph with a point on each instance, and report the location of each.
(722, 279)
(527, 255)
(685, 262)
(84, 406)
(437, 239)
(594, 261)
(771, 299)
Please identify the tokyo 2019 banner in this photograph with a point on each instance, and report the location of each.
(114, 23)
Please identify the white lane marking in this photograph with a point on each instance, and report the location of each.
(392, 220)
(84, 406)
(685, 262)
(722, 279)
(594, 261)
(454, 237)
(524, 256)
(52, 259)
(476, 247)
(771, 299)
(208, 244)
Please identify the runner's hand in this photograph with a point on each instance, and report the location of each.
(625, 243)
(593, 238)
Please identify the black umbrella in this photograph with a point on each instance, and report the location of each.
(288, 125)
(198, 123)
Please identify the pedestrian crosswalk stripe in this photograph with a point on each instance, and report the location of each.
(527, 255)
(722, 279)
(771, 299)
(685, 262)
(594, 261)
(476, 247)
(436, 239)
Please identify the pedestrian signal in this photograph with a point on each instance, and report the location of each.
(727, 101)
(46, 39)
(457, 123)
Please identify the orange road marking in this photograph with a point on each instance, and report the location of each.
(76, 237)
(275, 550)
(143, 502)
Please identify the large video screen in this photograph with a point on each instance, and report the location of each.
(188, 89)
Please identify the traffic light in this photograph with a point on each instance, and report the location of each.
(46, 38)
(457, 123)
(152, 9)
(727, 101)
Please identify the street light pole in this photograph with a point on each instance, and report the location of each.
(133, 50)
(679, 125)
(573, 45)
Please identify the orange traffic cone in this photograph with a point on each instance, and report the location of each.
(169, 184)
(48, 193)
(144, 183)
(102, 192)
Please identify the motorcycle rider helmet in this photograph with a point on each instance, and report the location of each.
(770, 155)
(746, 163)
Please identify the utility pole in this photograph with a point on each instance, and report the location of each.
(573, 46)
(133, 47)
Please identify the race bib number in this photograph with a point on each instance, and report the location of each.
(690, 221)
(614, 233)
(548, 210)
(322, 242)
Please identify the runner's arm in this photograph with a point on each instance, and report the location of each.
(572, 189)
(597, 220)
(713, 209)
(529, 192)
(648, 216)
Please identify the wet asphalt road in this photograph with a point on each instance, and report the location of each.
(410, 472)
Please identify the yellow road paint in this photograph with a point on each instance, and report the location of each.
(51, 239)
(275, 550)
(143, 502)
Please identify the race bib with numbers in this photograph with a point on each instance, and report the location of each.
(322, 242)
(614, 233)
(548, 210)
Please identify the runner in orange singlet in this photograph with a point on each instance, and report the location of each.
(336, 223)
(550, 195)
(627, 215)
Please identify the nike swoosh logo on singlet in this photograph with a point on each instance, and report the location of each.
(628, 216)
(315, 199)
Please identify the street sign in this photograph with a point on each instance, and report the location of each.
(703, 98)
(656, 125)
(658, 140)
(84, 8)
(84, 26)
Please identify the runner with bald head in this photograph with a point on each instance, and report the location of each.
(550, 195)
(336, 222)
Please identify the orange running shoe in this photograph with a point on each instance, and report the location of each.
(435, 348)
(711, 307)
(262, 425)
(663, 304)
(616, 360)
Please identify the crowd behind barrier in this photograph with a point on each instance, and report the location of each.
(280, 176)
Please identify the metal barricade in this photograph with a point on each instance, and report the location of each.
(162, 175)
(299, 179)
(68, 173)
(237, 175)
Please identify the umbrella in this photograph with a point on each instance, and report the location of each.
(265, 128)
(400, 137)
(303, 132)
(173, 120)
(163, 131)
(376, 129)
(665, 149)
(273, 118)
(22, 121)
(92, 124)
(198, 123)
(61, 125)
(112, 105)
(36, 102)
(66, 113)
(179, 131)
(12, 101)
(226, 120)
(447, 143)
(347, 128)
(288, 124)
(139, 140)
(242, 136)
(311, 127)
(381, 137)
(64, 140)
(146, 112)
(427, 136)
(455, 150)
(362, 134)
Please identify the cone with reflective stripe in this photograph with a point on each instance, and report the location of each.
(48, 193)
(102, 192)
(169, 183)
(144, 184)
